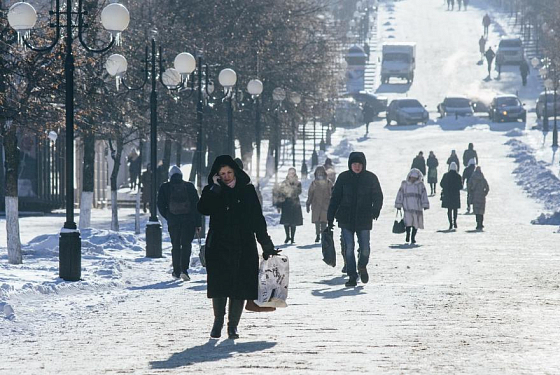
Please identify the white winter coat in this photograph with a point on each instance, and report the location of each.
(413, 198)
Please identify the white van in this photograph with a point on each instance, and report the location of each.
(511, 50)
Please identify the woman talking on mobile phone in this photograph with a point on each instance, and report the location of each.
(232, 259)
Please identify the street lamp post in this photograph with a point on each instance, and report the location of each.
(295, 98)
(255, 89)
(228, 79)
(172, 79)
(114, 18)
(278, 95)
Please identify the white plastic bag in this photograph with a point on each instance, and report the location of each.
(273, 282)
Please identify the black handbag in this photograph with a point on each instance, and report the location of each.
(327, 244)
(398, 225)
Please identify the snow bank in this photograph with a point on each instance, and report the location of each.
(515, 133)
(537, 179)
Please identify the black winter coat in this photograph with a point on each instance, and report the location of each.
(468, 155)
(291, 205)
(451, 185)
(192, 218)
(356, 198)
(432, 164)
(454, 158)
(419, 163)
(232, 260)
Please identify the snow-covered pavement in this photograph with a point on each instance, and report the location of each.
(461, 302)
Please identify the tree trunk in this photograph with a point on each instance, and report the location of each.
(116, 156)
(246, 144)
(179, 150)
(12, 211)
(167, 155)
(86, 200)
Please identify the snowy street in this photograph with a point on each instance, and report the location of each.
(460, 302)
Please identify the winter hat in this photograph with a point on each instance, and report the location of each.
(356, 157)
(472, 162)
(240, 175)
(174, 170)
(453, 167)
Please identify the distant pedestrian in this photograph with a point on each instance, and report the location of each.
(478, 190)
(290, 205)
(176, 201)
(451, 186)
(486, 21)
(368, 115)
(467, 173)
(329, 168)
(232, 262)
(419, 163)
(489, 58)
(134, 168)
(432, 164)
(413, 199)
(453, 158)
(355, 202)
(470, 153)
(318, 198)
(450, 4)
(459, 3)
(465, 4)
(524, 70)
(367, 49)
(482, 46)
(499, 63)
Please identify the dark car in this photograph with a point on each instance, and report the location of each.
(548, 98)
(455, 106)
(378, 103)
(507, 108)
(407, 111)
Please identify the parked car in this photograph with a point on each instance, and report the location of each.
(455, 105)
(407, 111)
(511, 50)
(378, 103)
(506, 108)
(348, 113)
(547, 98)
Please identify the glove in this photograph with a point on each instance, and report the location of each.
(268, 251)
(307, 209)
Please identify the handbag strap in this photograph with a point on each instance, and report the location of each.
(399, 211)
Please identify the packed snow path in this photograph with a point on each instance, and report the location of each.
(461, 302)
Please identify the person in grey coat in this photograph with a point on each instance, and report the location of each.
(478, 189)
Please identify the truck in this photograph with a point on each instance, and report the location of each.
(398, 60)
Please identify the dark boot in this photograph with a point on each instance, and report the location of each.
(481, 222)
(449, 219)
(293, 234)
(478, 222)
(219, 305)
(407, 234)
(234, 315)
(413, 238)
(287, 230)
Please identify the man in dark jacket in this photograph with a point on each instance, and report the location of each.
(524, 70)
(469, 154)
(489, 58)
(355, 202)
(176, 201)
(419, 163)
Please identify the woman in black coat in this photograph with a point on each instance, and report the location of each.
(290, 205)
(432, 164)
(232, 260)
(451, 185)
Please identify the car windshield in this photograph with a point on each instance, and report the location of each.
(410, 103)
(507, 102)
(396, 56)
(511, 43)
(456, 102)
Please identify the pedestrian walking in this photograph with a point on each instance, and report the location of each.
(467, 173)
(318, 198)
(232, 261)
(524, 70)
(355, 202)
(468, 154)
(465, 4)
(450, 4)
(146, 181)
(331, 171)
(451, 185)
(419, 163)
(459, 3)
(413, 199)
(486, 21)
(289, 204)
(176, 201)
(368, 114)
(134, 168)
(478, 190)
(432, 164)
(482, 47)
(499, 63)
(489, 58)
(453, 158)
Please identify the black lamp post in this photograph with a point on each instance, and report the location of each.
(255, 89)
(295, 98)
(172, 79)
(115, 18)
(228, 79)
(278, 95)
